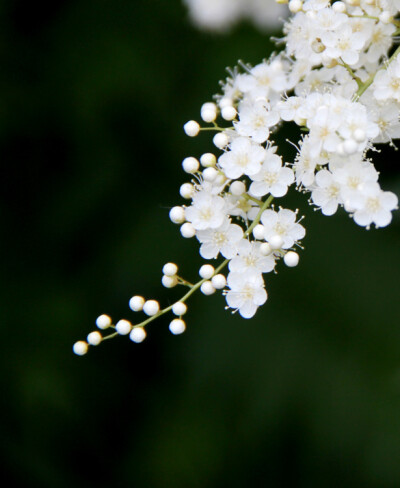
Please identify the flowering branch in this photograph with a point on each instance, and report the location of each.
(336, 82)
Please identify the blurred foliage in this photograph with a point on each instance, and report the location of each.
(93, 96)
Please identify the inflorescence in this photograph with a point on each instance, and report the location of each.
(338, 80)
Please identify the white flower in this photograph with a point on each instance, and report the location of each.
(305, 164)
(246, 293)
(206, 212)
(343, 43)
(288, 109)
(264, 79)
(255, 119)
(351, 176)
(354, 119)
(326, 194)
(222, 240)
(374, 206)
(323, 131)
(387, 82)
(240, 206)
(283, 224)
(381, 39)
(244, 157)
(250, 259)
(272, 178)
(386, 117)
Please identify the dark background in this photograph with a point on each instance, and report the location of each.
(93, 96)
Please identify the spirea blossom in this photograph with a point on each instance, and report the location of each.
(337, 79)
(221, 15)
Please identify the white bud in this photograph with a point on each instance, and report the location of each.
(339, 7)
(220, 179)
(177, 326)
(169, 281)
(190, 165)
(170, 269)
(218, 281)
(350, 146)
(220, 140)
(359, 135)
(317, 46)
(94, 338)
(179, 308)
(225, 102)
(151, 307)
(229, 113)
(206, 271)
(208, 112)
(187, 230)
(209, 174)
(208, 116)
(208, 159)
(265, 249)
(191, 128)
(103, 322)
(80, 348)
(238, 188)
(295, 6)
(259, 232)
(275, 242)
(208, 106)
(136, 303)
(301, 122)
(186, 191)
(207, 288)
(138, 335)
(177, 215)
(291, 259)
(123, 327)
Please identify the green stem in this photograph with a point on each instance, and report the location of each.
(364, 17)
(256, 221)
(255, 200)
(197, 285)
(216, 128)
(352, 74)
(370, 80)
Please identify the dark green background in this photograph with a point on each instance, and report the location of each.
(93, 96)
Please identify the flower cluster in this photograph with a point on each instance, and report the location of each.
(221, 15)
(338, 81)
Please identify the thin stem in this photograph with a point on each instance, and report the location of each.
(266, 204)
(363, 17)
(255, 200)
(111, 336)
(370, 80)
(194, 288)
(181, 281)
(352, 74)
(197, 285)
(216, 128)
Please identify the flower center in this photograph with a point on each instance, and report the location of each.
(220, 238)
(373, 204)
